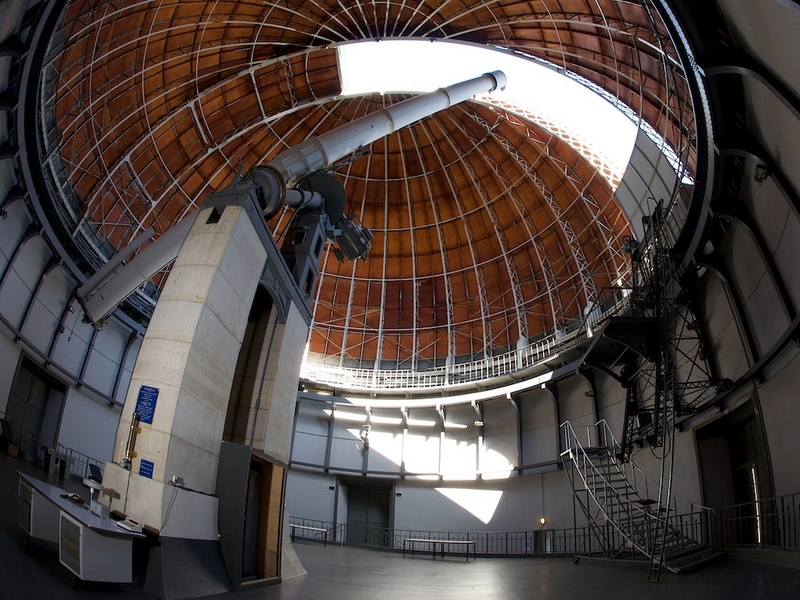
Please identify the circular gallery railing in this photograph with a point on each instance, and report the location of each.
(555, 347)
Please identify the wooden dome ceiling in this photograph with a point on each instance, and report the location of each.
(488, 229)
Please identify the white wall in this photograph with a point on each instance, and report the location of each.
(780, 411)
(513, 504)
(724, 340)
(539, 427)
(309, 495)
(610, 402)
(500, 450)
(476, 486)
(88, 427)
(456, 449)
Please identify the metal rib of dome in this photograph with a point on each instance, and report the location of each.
(489, 230)
(474, 247)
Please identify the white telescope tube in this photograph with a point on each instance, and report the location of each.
(322, 151)
(293, 164)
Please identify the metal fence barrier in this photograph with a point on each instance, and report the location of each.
(769, 524)
(42, 450)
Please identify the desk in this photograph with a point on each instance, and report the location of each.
(321, 530)
(91, 547)
(410, 542)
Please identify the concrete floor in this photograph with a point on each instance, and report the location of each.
(29, 569)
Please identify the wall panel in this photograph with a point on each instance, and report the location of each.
(724, 339)
(539, 427)
(105, 357)
(12, 229)
(499, 454)
(21, 279)
(308, 495)
(45, 312)
(781, 415)
(347, 449)
(574, 404)
(71, 346)
(9, 358)
(88, 427)
(754, 287)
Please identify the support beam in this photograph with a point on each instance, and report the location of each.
(733, 210)
(745, 145)
(736, 61)
(714, 263)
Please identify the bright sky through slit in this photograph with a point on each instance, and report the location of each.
(422, 65)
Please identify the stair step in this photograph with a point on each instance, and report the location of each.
(645, 501)
(692, 558)
(596, 450)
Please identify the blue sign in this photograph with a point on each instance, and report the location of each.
(146, 468)
(146, 403)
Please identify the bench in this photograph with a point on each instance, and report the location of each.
(431, 543)
(321, 530)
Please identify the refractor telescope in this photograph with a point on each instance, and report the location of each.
(298, 178)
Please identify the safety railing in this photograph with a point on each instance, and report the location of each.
(490, 367)
(734, 526)
(773, 523)
(556, 344)
(496, 543)
(42, 449)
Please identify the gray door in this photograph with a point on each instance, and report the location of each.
(28, 404)
(368, 515)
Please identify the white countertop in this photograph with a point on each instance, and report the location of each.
(79, 512)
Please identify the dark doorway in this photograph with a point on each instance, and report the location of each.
(251, 370)
(252, 516)
(735, 472)
(368, 511)
(34, 408)
(251, 496)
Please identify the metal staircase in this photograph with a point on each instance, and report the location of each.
(651, 344)
(628, 514)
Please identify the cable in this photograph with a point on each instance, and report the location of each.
(169, 508)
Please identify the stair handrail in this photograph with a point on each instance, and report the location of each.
(608, 434)
(600, 480)
(650, 479)
(601, 429)
(576, 452)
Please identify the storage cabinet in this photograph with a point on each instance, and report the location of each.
(37, 515)
(92, 547)
(93, 556)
